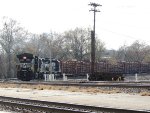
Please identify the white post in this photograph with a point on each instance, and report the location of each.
(136, 77)
(45, 77)
(52, 77)
(49, 76)
(87, 77)
(64, 77)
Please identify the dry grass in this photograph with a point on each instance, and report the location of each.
(90, 90)
(145, 94)
(65, 88)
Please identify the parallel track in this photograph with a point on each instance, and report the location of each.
(54, 107)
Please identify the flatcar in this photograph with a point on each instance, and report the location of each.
(104, 70)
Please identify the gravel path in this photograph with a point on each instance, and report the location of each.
(119, 100)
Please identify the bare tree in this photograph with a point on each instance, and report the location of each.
(73, 44)
(11, 36)
(137, 52)
(45, 45)
(100, 48)
(77, 42)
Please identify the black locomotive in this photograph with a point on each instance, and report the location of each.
(32, 67)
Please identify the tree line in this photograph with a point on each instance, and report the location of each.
(70, 45)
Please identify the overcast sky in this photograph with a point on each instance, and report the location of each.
(119, 22)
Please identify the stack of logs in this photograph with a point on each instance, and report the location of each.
(82, 67)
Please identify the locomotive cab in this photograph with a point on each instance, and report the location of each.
(48, 66)
(25, 70)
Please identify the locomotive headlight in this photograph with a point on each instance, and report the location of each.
(24, 57)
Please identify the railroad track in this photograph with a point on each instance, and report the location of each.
(32, 106)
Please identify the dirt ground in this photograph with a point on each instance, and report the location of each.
(114, 100)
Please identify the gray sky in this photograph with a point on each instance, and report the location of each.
(119, 22)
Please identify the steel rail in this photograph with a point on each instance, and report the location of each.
(39, 108)
(59, 107)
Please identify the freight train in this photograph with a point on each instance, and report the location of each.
(33, 67)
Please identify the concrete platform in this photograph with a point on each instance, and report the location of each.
(119, 100)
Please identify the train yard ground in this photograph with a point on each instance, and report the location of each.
(126, 95)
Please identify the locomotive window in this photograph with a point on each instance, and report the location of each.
(32, 61)
(25, 60)
(25, 65)
(47, 62)
(53, 64)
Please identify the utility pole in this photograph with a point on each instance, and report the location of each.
(94, 5)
